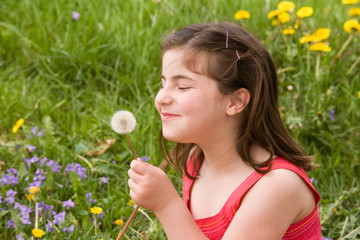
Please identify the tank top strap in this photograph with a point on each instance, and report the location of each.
(187, 182)
(282, 163)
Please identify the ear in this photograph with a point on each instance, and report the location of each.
(238, 101)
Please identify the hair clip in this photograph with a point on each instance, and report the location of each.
(237, 54)
(227, 38)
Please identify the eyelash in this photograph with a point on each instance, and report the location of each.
(183, 88)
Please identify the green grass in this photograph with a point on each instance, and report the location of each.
(68, 77)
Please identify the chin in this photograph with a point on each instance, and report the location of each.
(174, 138)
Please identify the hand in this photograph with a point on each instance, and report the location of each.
(150, 187)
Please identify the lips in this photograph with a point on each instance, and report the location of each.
(168, 116)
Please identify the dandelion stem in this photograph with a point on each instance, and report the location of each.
(308, 60)
(128, 223)
(131, 147)
(317, 67)
(36, 215)
(346, 43)
(287, 44)
(353, 66)
(95, 225)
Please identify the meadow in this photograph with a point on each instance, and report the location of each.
(67, 66)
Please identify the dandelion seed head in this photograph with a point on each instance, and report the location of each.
(123, 122)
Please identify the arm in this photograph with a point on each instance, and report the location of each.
(151, 188)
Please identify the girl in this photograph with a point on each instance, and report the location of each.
(244, 175)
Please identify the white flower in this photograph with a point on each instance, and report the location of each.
(123, 122)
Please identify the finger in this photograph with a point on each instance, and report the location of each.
(134, 189)
(138, 167)
(134, 176)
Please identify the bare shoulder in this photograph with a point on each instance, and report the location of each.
(279, 199)
(285, 188)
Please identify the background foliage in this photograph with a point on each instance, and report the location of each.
(67, 77)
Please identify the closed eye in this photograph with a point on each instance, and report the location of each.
(183, 88)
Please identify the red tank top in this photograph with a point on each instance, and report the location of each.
(215, 227)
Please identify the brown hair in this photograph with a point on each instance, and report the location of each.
(220, 44)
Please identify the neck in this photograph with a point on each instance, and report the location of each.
(221, 155)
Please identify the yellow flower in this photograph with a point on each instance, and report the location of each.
(131, 202)
(34, 190)
(286, 6)
(308, 38)
(322, 34)
(321, 47)
(351, 25)
(37, 233)
(354, 12)
(349, 1)
(18, 125)
(96, 210)
(358, 94)
(288, 31)
(29, 197)
(319, 113)
(241, 14)
(274, 13)
(274, 22)
(284, 17)
(305, 12)
(119, 222)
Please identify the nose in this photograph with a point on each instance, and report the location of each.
(163, 97)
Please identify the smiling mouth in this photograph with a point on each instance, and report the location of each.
(168, 116)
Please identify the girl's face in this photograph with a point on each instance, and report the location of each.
(191, 107)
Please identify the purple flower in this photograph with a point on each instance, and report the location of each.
(69, 229)
(28, 161)
(34, 130)
(36, 133)
(10, 199)
(55, 166)
(68, 204)
(1, 198)
(88, 197)
(43, 161)
(313, 180)
(145, 158)
(59, 218)
(332, 114)
(75, 15)
(10, 224)
(11, 177)
(39, 176)
(19, 237)
(34, 184)
(30, 148)
(24, 213)
(48, 209)
(12, 171)
(325, 238)
(49, 227)
(76, 167)
(104, 180)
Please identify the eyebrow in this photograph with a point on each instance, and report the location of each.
(178, 77)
